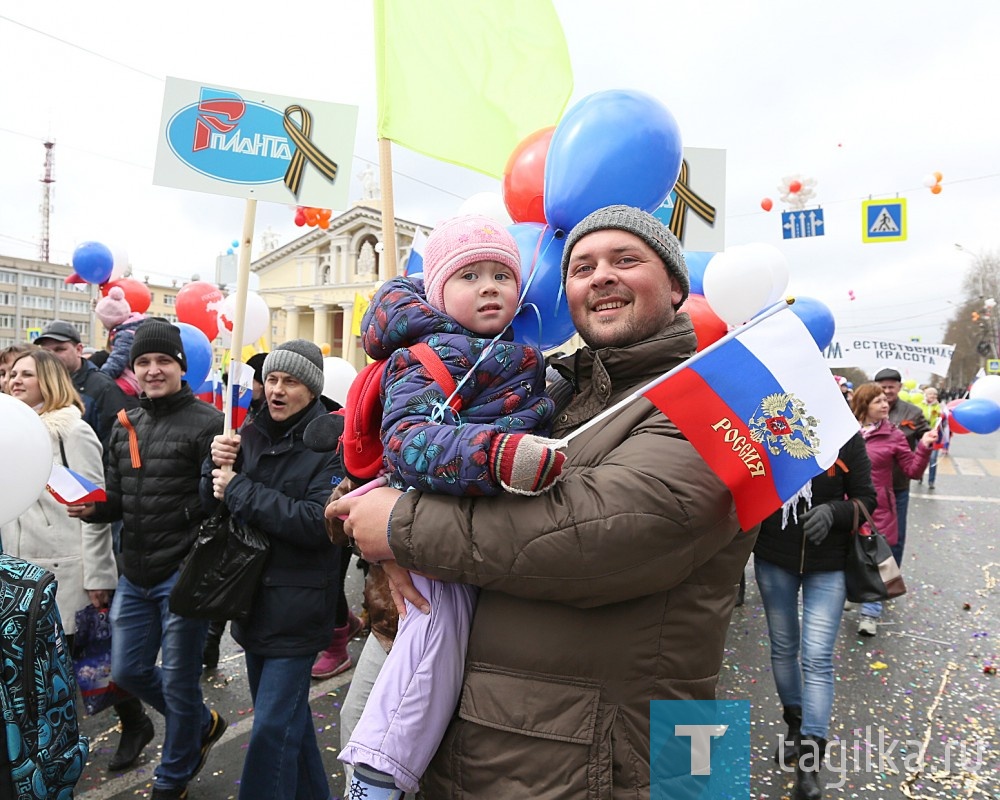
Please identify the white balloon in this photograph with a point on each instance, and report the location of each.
(736, 285)
(119, 265)
(988, 387)
(27, 464)
(774, 260)
(337, 378)
(489, 204)
(255, 320)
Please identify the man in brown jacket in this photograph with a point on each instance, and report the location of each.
(612, 589)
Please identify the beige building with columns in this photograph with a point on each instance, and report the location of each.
(310, 283)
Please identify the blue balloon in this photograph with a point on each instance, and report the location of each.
(93, 262)
(818, 318)
(543, 321)
(198, 352)
(978, 414)
(696, 261)
(613, 147)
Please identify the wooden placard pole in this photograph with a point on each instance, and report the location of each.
(242, 284)
(388, 209)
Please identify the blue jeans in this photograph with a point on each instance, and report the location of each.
(902, 503)
(282, 760)
(802, 661)
(142, 625)
(932, 467)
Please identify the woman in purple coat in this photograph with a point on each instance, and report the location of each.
(462, 310)
(886, 446)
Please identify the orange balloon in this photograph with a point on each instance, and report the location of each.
(936, 188)
(795, 186)
(524, 177)
(325, 348)
(766, 204)
(708, 327)
(937, 176)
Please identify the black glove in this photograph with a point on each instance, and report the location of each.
(816, 523)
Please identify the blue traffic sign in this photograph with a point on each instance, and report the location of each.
(883, 220)
(802, 223)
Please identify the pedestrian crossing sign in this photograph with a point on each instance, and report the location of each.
(993, 366)
(883, 220)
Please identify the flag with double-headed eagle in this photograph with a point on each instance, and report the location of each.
(763, 411)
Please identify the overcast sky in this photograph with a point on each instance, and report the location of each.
(868, 99)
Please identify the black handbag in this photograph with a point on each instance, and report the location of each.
(871, 572)
(220, 575)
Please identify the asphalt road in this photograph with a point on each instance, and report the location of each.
(916, 713)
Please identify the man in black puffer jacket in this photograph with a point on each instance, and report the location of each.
(154, 467)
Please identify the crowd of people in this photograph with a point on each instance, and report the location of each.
(500, 568)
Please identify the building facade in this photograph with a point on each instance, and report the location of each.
(311, 284)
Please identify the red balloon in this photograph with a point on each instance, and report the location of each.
(300, 216)
(708, 327)
(953, 424)
(524, 177)
(795, 187)
(73, 278)
(192, 306)
(136, 292)
(766, 204)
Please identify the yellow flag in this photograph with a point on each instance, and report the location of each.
(360, 307)
(465, 81)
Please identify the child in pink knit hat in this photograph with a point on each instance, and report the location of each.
(120, 321)
(490, 444)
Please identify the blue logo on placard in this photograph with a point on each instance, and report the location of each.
(699, 749)
(230, 139)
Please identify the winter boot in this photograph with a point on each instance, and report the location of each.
(137, 732)
(786, 754)
(335, 659)
(812, 749)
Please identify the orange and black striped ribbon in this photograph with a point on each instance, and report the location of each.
(687, 198)
(133, 439)
(305, 150)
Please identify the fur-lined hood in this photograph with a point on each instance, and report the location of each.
(61, 420)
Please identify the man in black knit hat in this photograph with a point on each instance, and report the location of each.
(154, 465)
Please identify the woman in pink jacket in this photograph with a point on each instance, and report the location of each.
(886, 446)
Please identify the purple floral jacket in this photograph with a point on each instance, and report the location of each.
(505, 393)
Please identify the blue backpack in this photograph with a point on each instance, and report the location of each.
(42, 753)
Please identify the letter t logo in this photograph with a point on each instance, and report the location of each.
(701, 744)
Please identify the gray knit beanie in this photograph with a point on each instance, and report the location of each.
(299, 358)
(642, 224)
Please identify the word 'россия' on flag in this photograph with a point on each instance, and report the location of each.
(762, 409)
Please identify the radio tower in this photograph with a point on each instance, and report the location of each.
(47, 180)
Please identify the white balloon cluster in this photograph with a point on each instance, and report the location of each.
(743, 280)
(796, 191)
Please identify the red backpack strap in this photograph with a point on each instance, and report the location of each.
(435, 367)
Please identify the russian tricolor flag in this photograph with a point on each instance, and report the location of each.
(71, 488)
(762, 409)
(415, 263)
